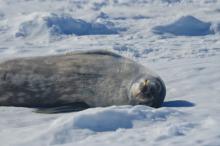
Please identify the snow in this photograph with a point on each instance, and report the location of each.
(185, 26)
(179, 39)
(52, 24)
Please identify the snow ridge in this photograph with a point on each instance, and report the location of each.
(187, 26)
(53, 24)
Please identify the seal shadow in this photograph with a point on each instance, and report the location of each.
(79, 106)
(178, 103)
(72, 107)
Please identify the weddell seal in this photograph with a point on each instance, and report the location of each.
(78, 80)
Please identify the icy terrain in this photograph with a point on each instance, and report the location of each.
(179, 39)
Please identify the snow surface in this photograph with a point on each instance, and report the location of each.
(179, 39)
(186, 26)
(36, 24)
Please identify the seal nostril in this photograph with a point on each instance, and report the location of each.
(145, 89)
(149, 92)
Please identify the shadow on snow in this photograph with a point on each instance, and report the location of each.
(178, 103)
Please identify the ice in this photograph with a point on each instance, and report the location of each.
(53, 24)
(185, 26)
(68, 25)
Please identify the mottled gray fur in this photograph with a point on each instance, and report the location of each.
(96, 78)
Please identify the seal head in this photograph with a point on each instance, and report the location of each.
(148, 91)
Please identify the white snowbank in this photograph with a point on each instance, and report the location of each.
(53, 24)
(186, 26)
(73, 128)
(113, 118)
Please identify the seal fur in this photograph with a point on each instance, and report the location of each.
(81, 79)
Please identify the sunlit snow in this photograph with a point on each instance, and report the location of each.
(179, 39)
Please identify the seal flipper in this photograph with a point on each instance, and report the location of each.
(74, 107)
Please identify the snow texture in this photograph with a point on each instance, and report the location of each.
(185, 26)
(59, 25)
(179, 39)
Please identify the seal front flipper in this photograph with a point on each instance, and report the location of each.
(74, 107)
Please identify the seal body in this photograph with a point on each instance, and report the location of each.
(95, 78)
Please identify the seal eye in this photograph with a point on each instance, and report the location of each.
(158, 86)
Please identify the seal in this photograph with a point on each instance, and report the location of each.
(78, 80)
